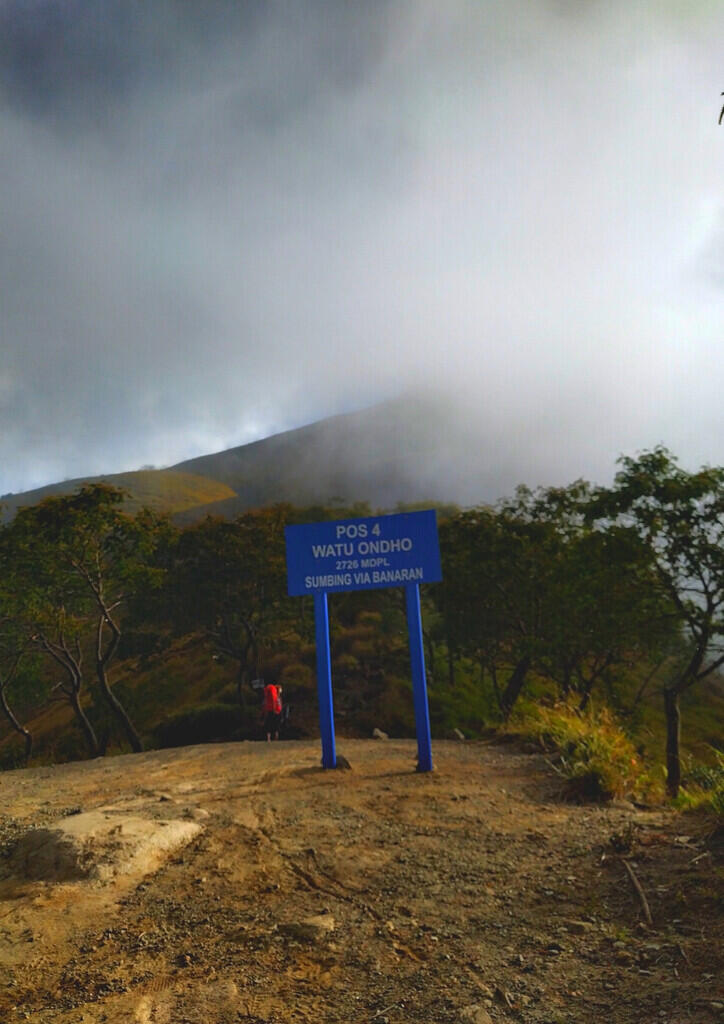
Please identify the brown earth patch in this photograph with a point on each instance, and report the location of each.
(374, 895)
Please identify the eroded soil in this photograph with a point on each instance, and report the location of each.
(468, 894)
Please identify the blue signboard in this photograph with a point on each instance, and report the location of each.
(363, 554)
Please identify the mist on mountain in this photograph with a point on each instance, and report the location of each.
(221, 223)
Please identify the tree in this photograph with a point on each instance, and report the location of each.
(13, 647)
(497, 565)
(229, 579)
(603, 610)
(79, 559)
(529, 584)
(680, 517)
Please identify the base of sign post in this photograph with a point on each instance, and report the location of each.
(419, 683)
(324, 681)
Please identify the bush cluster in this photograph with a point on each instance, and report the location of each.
(704, 788)
(589, 749)
(204, 724)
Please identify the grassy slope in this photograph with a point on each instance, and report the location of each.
(166, 490)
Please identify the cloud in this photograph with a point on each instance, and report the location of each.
(217, 227)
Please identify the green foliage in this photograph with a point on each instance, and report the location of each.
(590, 749)
(12, 756)
(556, 593)
(387, 707)
(229, 579)
(679, 517)
(206, 723)
(468, 706)
(298, 676)
(703, 788)
(529, 586)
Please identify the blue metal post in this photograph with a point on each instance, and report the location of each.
(419, 684)
(324, 681)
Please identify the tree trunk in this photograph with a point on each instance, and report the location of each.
(673, 733)
(586, 690)
(429, 643)
(86, 727)
(242, 677)
(25, 733)
(102, 659)
(496, 688)
(515, 685)
(71, 665)
(450, 666)
(566, 682)
(118, 710)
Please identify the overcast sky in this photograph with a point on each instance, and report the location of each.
(223, 219)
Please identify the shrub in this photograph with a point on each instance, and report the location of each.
(12, 756)
(299, 677)
(703, 789)
(228, 696)
(345, 664)
(468, 706)
(204, 724)
(591, 751)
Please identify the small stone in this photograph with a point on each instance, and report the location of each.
(580, 927)
(311, 929)
(378, 734)
(475, 1014)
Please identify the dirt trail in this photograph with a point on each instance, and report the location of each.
(371, 895)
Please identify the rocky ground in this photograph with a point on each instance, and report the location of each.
(217, 884)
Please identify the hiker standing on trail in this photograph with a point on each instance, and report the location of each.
(272, 710)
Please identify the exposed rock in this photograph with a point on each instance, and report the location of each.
(580, 927)
(343, 763)
(475, 1014)
(197, 814)
(378, 734)
(311, 929)
(98, 845)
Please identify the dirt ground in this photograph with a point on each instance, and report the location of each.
(376, 894)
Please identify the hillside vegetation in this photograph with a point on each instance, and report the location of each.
(169, 491)
(587, 622)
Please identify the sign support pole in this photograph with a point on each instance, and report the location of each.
(419, 684)
(324, 680)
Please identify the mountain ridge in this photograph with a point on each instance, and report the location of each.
(385, 455)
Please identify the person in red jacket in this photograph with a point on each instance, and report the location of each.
(272, 710)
